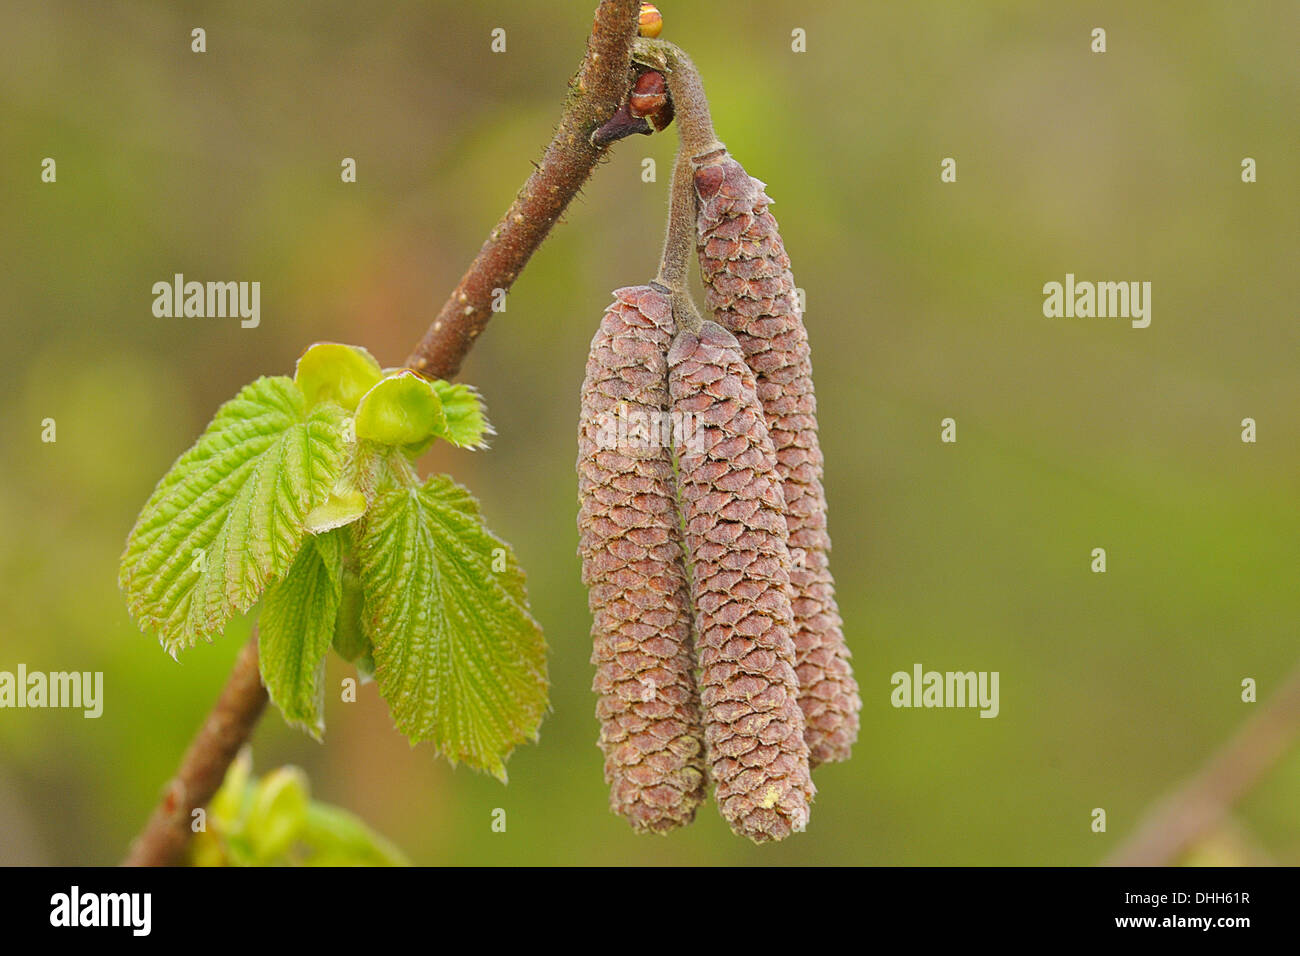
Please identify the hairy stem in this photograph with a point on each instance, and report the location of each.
(696, 139)
(690, 105)
(679, 240)
(596, 91)
(679, 243)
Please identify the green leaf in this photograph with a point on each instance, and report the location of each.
(344, 505)
(330, 372)
(339, 838)
(467, 424)
(274, 822)
(457, 655)
(227, 519)
(364, 468)
(295, 630)
(365, 665)
(278, 814)
(403, 409)
(350, 641)
(228, 802)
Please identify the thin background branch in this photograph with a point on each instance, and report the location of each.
(1203, 803)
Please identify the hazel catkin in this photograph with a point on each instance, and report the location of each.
(750, 291)
(736, 541)
(632, 564)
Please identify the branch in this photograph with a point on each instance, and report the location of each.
(228, 726)
(595, 93)
(1204, 802)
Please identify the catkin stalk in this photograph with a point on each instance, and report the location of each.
(736, 538)
(632, 564)
(751, 292)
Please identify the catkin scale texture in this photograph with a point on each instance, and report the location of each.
(736, 538)
(750, 291)
(632, 564)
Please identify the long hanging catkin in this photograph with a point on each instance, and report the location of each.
(736, 539)
(751, 292)
(632, 563)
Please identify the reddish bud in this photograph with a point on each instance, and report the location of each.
(649, 93)
(649, 98)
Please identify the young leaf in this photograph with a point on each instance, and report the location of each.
(350, 641)
(330, 372)
(278, 814)
(402, 409)
(228, 803)
(457, 655)
(296, 627)
(227, 519)
(467, 424)
(364, 468)
(339, 838)
(273, 822)
(343, 506)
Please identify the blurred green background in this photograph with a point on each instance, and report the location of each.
(924, 301)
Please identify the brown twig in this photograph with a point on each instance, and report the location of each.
(228, 726)
(1204, 802)
(595, 93)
